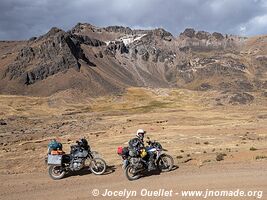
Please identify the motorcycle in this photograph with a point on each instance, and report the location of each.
(136, 166)
(80, 157)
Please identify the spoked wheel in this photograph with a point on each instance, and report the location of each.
(131, 174)
(98, 166)
(165, 163)
(56, 172)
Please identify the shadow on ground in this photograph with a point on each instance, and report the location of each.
(110, 169)
(157, 172)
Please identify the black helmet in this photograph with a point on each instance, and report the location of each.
(83, 143)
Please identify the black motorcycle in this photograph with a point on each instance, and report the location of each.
(80, 157)
(136, 166)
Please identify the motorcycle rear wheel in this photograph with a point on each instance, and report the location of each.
(129, 172)
(56, 172)
(98, 166)
(165, 163)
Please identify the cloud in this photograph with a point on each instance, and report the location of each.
(256, 25)
(22, 19)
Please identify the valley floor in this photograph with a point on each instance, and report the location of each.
(190, 124)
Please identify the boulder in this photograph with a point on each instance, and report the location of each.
(205, 87)
(241, 98)
(2, 122)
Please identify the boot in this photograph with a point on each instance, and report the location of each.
(151, 166)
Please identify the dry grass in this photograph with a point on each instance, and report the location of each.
(180, 119)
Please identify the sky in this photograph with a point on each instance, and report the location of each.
(22, 19)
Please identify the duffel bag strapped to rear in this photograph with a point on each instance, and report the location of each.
(55, 145)
(119, 150)
(54, 159)
(123, 151)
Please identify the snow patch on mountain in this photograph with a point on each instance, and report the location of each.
(127, 39)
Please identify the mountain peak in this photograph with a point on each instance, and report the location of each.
(162, 32)
(118, 29)
(54, 31)
(201, 35)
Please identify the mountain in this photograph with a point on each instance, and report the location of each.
(99, 61)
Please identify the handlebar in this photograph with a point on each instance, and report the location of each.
(150, 142)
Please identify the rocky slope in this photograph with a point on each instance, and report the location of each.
(99, 61)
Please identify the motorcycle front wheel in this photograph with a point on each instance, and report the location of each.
(56, 172)
(131, 174)
(98, 166)
(165, 163)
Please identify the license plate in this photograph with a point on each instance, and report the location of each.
(54, 159)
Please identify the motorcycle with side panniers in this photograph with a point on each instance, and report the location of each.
(136, 166)
(80, 157)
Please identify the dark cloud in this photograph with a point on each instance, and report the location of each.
(22, 19)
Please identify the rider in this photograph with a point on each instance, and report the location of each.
(137, 144)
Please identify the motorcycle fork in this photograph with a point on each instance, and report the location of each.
(90, 158)
(158, 155)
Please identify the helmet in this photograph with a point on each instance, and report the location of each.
(140, 133)
(83, 143)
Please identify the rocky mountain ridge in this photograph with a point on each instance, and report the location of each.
(99, 61)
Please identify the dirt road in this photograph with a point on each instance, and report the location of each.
(219, 176)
